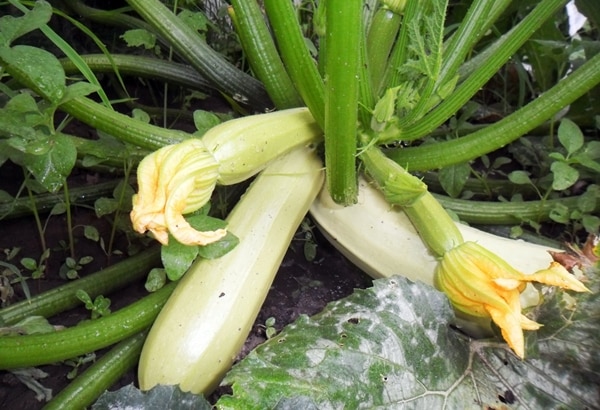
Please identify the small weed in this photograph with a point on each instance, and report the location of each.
(70, 268)
(98, 307)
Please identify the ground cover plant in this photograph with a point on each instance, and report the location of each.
(491, 106)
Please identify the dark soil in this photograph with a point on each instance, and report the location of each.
(301, 286)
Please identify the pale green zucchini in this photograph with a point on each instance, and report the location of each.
(204, 324)
(245, 145)
(381, 240)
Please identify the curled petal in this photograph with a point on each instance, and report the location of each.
(479, 283)
(557, 275)
(173, 181)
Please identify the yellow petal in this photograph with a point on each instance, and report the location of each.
(557, 275)
(173, 181)
(510, 325)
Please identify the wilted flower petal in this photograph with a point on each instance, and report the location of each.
(479, 283)
(173, 181)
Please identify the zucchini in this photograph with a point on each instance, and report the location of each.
(204, 324)
(390, 244)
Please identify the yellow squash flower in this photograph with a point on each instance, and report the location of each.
(480, 283)
(173, 181)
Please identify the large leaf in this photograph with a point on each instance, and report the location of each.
(157, 398)
(391, 346)
(41, 66)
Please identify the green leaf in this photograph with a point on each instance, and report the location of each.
(570, 136)
(29, 326)
(157, 278)
(519, 178)
(391, 346)
(29, 263)
(454, 178)
(591, 223)
(204, 120)
(564, 175)
(587, 201)
(221, 247)
(157, 398)
(592, 149)
(53, 167)
(105, 206)
(91, 232)
(195, 20)
(79, 89)
(217, 249)
(12, 27)
(139, 38)
(559, 213)
(39, 65)
(177, 258)
(583, 159)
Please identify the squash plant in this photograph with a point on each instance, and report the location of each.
(398, 94)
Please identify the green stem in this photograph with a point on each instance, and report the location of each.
(262, 54)
(399, 52)
(506, 213)
(300, 66)
(86, 337)
(241, 87)
(429, 218)
(341, 97)
(478, 19)
(67, 200)
(99, 377)
(141, 66)
(511, 127)
(105, 119)
(36, 216)
(45, 202)
(382, 33)
(515, 39)
(102, 282)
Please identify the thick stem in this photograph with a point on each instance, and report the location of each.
(262, 54)
(513, 41)
(102, 282)
(429, 218)
(511, 127)
(88, 336)
(241, 87)
(341, 97)
(295, 55)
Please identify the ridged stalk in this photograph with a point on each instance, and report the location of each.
(511, 127)
(262, 54)
(515, 39)
(429, 218)
(64, 297)
(506, 213)
(141, 66)
(242, 88)
(99, 377)
(88, 336)
(381, 37)
(300, 66)
(344, 34)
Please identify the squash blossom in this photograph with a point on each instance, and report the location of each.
(481, 284)
(173, 181)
